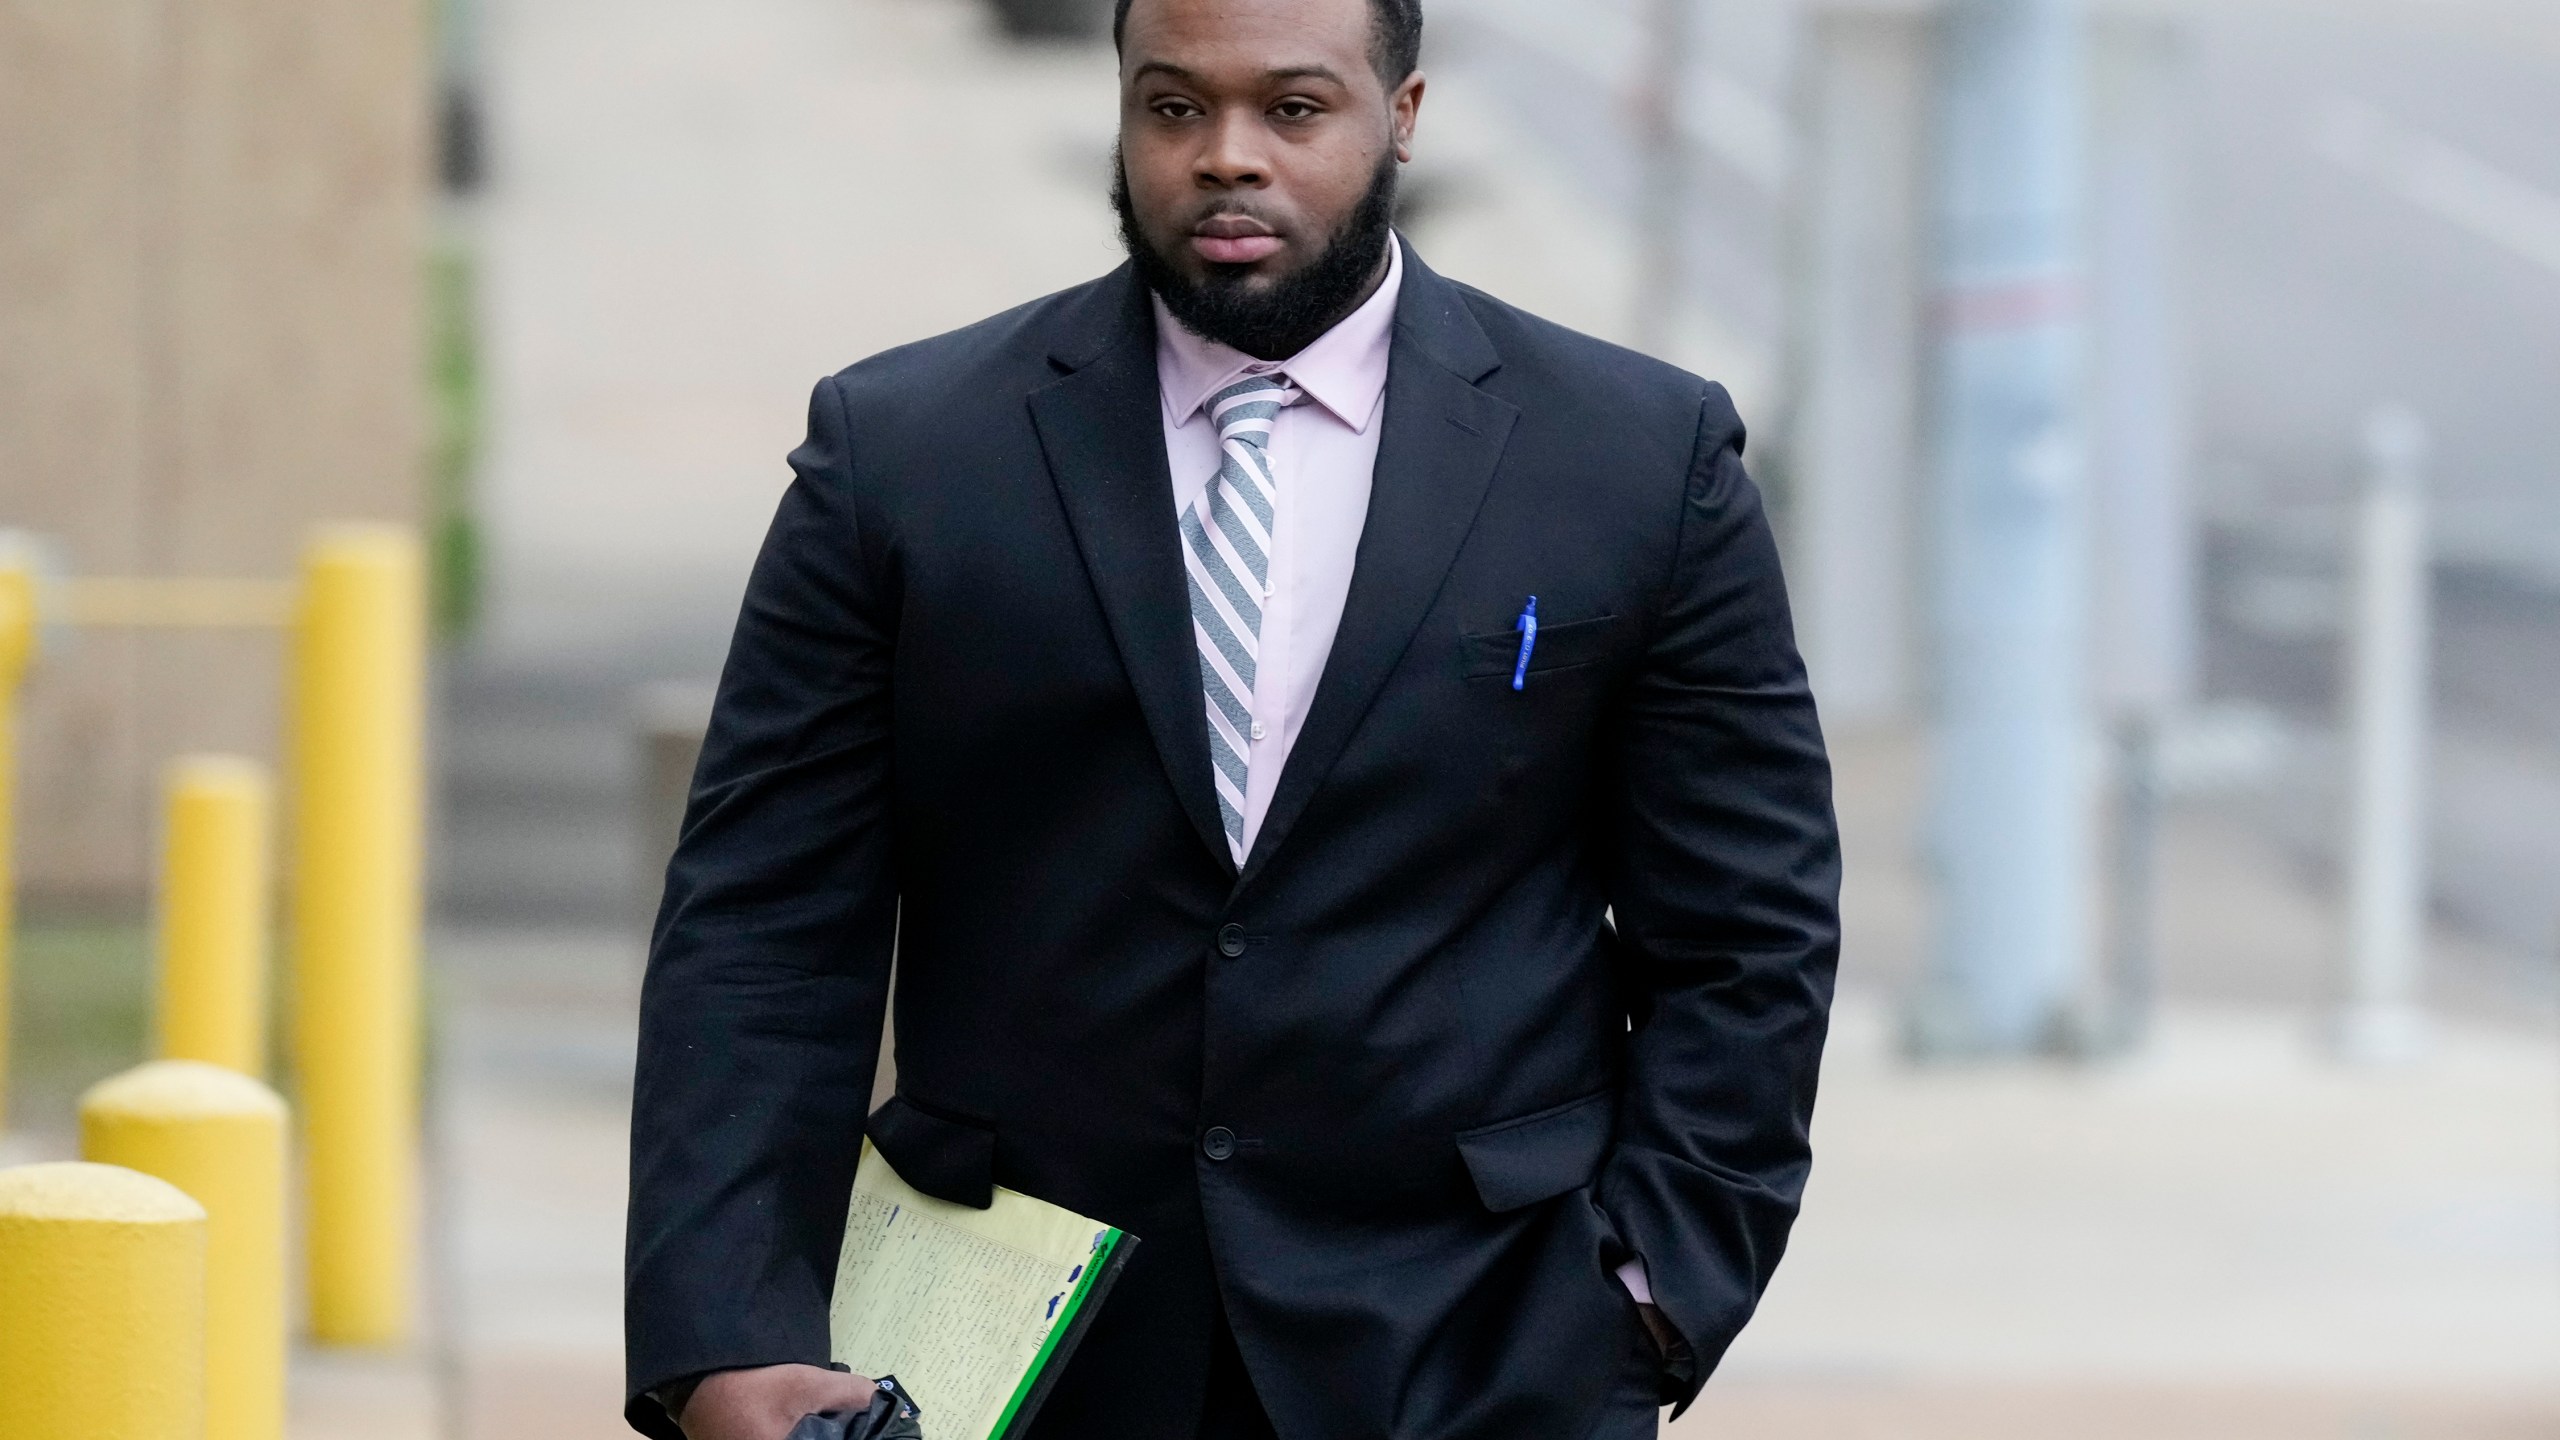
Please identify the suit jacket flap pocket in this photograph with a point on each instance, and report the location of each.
(1559, 647)
(944, 1156)
(1537, 1157)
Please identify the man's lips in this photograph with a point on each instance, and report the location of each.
(1234, 240)
(1243, 250)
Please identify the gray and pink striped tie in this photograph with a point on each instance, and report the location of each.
(1226, 538)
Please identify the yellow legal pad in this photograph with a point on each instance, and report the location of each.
(974, 1311)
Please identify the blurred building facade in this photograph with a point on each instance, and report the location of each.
(211, 226)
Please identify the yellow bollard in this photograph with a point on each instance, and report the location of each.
(17, 650)
(219, 1136)
(214, 881)
(358, 736)
(101, 1305)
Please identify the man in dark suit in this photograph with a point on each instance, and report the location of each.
(1152, 668)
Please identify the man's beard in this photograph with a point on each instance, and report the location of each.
(1296, 309)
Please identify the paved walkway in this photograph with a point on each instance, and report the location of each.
(2228, 1213)
(538, 1092)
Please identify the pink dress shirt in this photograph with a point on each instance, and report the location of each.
(1324, 453)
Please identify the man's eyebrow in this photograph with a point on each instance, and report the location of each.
(1304, 72)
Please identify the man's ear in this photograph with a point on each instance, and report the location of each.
(1404, 110)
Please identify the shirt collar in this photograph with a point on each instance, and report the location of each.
(1345, 370)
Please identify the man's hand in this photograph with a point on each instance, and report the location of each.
(1658, 1325)
(764, 1404)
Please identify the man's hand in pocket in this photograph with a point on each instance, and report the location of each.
(1658, 1325)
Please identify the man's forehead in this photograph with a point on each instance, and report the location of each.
(1328, 25)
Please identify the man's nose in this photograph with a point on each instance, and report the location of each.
(1235, 158)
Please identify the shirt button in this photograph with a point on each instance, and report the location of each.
(1231, 941)
(1257, 729)
(1219, 1143)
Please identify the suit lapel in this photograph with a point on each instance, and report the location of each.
(1443, 440)
(1102, 428)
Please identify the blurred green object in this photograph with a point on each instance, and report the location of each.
(453, 351)
(83, 1012)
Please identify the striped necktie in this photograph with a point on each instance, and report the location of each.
(1226, 538)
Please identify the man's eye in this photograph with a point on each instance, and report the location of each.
(1294, 110)
(1176, 109)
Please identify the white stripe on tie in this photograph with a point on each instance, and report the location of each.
(1226, 545)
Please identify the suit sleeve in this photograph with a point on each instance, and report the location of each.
(769, 966)
(1724, 876)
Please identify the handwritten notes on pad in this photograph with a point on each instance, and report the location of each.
(973, 1310)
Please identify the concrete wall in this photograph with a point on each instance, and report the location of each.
(211, 222)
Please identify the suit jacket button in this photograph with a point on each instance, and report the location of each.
(1231, 941)
(1219, 1143)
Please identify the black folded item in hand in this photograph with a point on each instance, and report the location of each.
(893, 1416)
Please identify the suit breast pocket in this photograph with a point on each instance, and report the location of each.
(1569, 646)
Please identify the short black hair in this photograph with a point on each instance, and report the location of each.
(1395, 37)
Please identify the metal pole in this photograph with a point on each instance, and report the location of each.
(18, 636)
(215, 879)
(2018, 749)
(2387, 725)
(358, 721)
(102, 1274)
(219, 1136)
(1662, 204)
(2133, 946)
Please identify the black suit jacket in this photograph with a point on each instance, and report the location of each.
(1513, 985)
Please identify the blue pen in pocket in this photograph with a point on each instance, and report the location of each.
(1527, 625)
